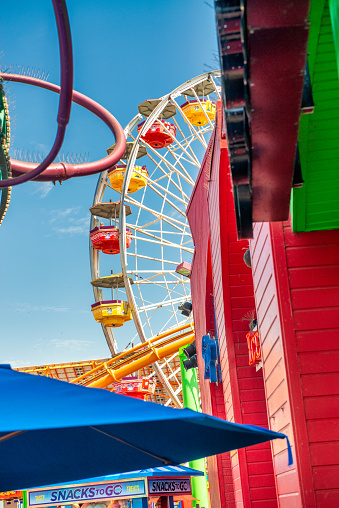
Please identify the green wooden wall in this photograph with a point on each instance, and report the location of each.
(315, 206)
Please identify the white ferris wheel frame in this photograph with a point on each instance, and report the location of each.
(196, 134)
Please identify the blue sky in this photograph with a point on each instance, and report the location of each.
(124, 53)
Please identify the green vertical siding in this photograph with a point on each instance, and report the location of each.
(315, 206)
(334, 13)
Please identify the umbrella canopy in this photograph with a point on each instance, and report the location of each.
(52, 432)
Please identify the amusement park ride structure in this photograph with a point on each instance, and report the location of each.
(156, 239)
(151, 245)
(137, 360)
(154, 242)
(257, 139)
(173, 133)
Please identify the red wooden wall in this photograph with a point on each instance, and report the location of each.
(243, 388)
(295, 292)
(274, 365)
(219, 469)
(296, 281)
(312, 261)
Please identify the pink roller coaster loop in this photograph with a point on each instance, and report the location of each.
(66, 61)
(24, 171)
(64, 171)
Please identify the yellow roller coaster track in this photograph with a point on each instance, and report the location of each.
(146, 353)
(101, 374)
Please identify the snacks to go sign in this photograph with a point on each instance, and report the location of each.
(169, 486)
(78, 493)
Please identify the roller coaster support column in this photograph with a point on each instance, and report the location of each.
(190, 393)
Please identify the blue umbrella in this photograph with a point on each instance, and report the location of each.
(52, 432)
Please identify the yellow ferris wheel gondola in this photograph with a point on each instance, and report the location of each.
(199, 112)
(138, 179)
(111, 313)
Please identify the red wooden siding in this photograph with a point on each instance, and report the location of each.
(223, 318)
(212, 401)
(227, 499)
(296, 281)
(313, 268)
(243, 387)
(274, 365)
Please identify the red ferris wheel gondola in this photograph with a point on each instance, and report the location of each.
(106, 239)
(160, 134)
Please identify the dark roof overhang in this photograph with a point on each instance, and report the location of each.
(263, 49)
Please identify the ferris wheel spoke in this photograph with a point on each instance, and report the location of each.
(161, 241)
(177, 168)
(182, 146)
(169, 282)
(149, 280)
(188, 139)
(179, 163)
(178, 186)
(158, 305)
(180, 159)
(144, 226)
(148, 319)
(141, 256)
(177, 145)
(153, 185)
(156, 272)
(166, 232)
(167, 163)
(178, 287)
(175, 223)
(160, 285)
(171, 293)
(165, 198)
(181, 189)
(169, 176)
(164, 304)
(194, 160)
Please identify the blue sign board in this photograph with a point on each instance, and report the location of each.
(210, 355)
(82, 493)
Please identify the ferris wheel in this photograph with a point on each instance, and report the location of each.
(139, 232)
